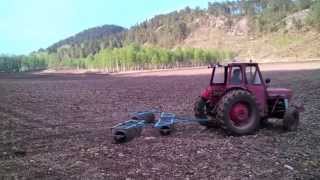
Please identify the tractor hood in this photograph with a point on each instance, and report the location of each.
(282, 92)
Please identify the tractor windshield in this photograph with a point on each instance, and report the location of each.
(253, 76)
(219, 75)
(236, 75)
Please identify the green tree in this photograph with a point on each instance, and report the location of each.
(314, 17)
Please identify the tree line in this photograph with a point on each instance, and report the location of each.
(131, 57)
(22, 63)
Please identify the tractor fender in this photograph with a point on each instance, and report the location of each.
(207, 93)
(235, 88)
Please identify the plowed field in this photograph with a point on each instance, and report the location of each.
(57, 126)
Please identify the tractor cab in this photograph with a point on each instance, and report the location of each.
(236, 74)
(246, 76)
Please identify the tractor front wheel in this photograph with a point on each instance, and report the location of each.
(238, 112)
(291, 119)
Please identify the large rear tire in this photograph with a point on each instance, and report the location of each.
(238, 112)
(291, 119)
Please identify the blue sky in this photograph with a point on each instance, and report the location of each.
(27, 25)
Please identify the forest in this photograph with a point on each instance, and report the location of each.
(131, 57)
(153, 43)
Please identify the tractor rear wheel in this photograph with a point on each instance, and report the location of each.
(238, 112)
(291, 119)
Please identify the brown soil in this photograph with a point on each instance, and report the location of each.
(57, 126)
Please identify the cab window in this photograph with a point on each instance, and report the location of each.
(219, 77)
(236, 75)
(253, 76)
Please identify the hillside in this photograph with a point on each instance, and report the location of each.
(90, 40)
(288, 43)
(251, 29)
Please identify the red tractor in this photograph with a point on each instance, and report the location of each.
(239, 100)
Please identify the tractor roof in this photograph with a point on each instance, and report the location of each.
(241, 63)
(233, 64)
